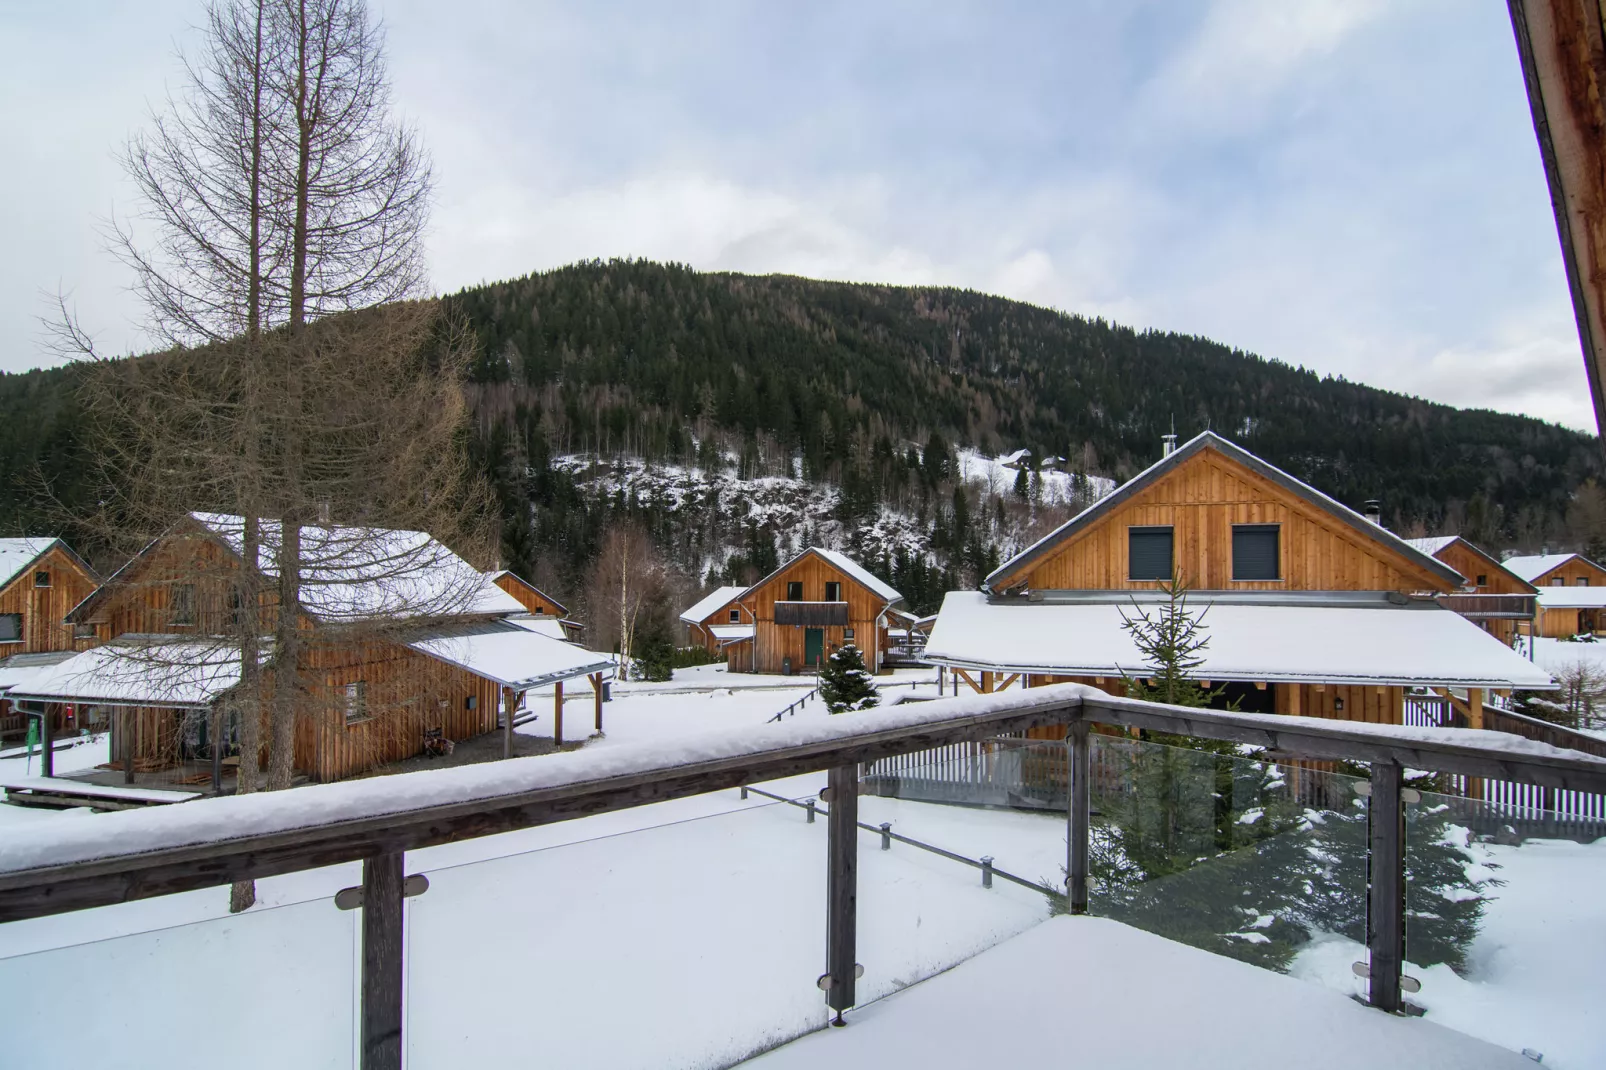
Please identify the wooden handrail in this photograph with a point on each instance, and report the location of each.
(1556, 735)
(116, 876)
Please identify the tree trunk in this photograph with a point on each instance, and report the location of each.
(286, 657)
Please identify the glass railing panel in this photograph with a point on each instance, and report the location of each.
(1260, 861)
(1505, 923)
(926, 902)
(685, 944)
(269, 988)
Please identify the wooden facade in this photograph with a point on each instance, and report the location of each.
(1201, 500)
(803, 647)
(701, 633)
(531, 597)
(41, 595)
(1485, 576)
(1562, 622)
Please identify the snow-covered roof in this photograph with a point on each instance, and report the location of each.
(1210, 440)
(1531, 566)
(19, 669)
(1433, 544)
(731, 633)
(711, 603)
(140, 671)
(354, 574)
(510, 654)
(1276, 642)
(551, 627)
(1552, 596)
(860, 574)
(18, 554)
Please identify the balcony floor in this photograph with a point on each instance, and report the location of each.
(1093, 992)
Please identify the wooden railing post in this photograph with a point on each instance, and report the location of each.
(842, 890)
(1079, 815)
(507, 723)
(130, 727)
(47, 757)
(382, 962)
(1385, 903)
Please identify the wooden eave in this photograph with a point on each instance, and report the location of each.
(1312, 502)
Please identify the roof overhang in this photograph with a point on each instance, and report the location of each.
(1416, 645)
(509, 655)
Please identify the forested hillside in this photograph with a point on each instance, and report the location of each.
(871, 389)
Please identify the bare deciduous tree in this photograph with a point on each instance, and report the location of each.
(628, 572)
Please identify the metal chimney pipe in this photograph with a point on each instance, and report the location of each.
(1168, 445)
(1372, 509)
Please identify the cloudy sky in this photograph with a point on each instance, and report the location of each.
(1348, 185)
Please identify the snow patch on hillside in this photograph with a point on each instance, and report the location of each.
(1057, 487)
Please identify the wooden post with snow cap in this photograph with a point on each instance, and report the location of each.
(1078, 815)
(596, 696)
(842, 890)
(509, 701)
(382, 934)
(1385, 902)
(557, 714)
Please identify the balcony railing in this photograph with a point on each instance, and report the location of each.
(1491, 606)
(812, 614)
(122, 858)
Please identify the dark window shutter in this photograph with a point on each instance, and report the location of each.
(1148, 553)
(1254, 551)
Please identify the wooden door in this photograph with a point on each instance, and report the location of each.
(813, 646)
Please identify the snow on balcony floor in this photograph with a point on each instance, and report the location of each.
(1093, 992)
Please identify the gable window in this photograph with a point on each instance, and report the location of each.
(1558, 581)
(181, 605)
(1483, 579)
(41, 578)
(736, 616)
(794, 591)
(83, 631)
(833, 591)
(10, 627)
(1254, 551)
(1148, 553)
(1582, 581)
(356, 701)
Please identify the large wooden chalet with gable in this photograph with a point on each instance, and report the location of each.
(1310, 607)
(1496, 599)
(794, 618)
(399, 638)
(1571, 591)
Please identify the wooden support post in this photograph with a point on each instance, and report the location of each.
(1385, 902)
(47, 757)
(1294, 692)
(382, 962)
(557, 714)
(216, 732)
(1475, 720)
(508, 702)
(842, 890)
(986, 682)
(1079, 752)
(596, 696)
(130, 723)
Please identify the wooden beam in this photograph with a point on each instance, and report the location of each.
(961, 674)
(842, 890)
(1007, 681)
(130, 727)
(47, 736)
(1385, 937)
(557, 714)
(596, 697)
(986, 682)
(382, 934)
(1078, 816)
(1294, 693)
(508, 705)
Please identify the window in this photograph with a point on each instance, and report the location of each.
(736, 616)
(1483, 579)
(847, 635)
(1558, 581)
(41, 578)
(833, 591)
(357, 701)
(1148, 553)
(83, 631)
(1254, 552)
(794, 591)
(1582, 581)
(181, 605)
(10, 627)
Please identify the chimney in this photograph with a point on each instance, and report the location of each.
(1372, 509)
(1168, 445)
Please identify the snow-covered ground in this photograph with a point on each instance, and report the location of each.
(1057, 488)
(1092, 992)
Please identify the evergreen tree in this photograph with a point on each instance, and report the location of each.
(1172, 641)
(654, 641)
(845, 684)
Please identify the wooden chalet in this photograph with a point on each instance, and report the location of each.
(718, 620)
(40, 580)
(400, 639)
(1497, 600)
(1571, 592)
(537, 603)
(807, 608)
(1310, 607)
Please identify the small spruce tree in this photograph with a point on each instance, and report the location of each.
(845, 684)
(1172, 641)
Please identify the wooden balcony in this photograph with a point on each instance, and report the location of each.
(812, 614)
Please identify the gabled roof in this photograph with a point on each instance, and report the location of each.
(1209, 440)
(858, 572)
(1439, 543)
(492, 577)
(1531, 566)
(352, 574)
(17, 554)
(509, 654)
(712, 603)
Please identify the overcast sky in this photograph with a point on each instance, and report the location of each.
(1347, 185)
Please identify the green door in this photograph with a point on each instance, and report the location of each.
(813, 646)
